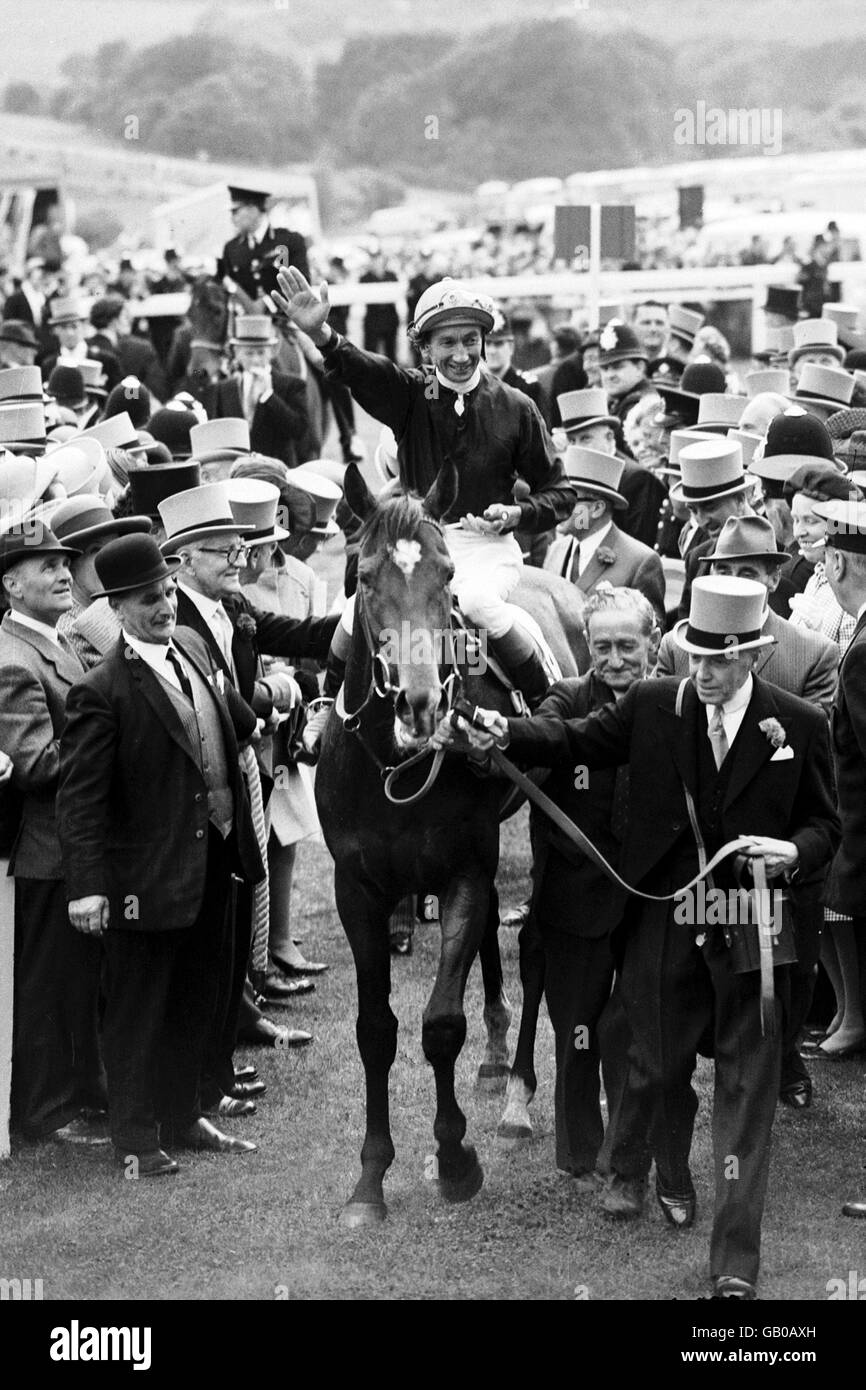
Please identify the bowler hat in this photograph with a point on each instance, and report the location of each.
(683, 399)
(746, 538)
(18, 331)
(726, 615)
(23, 541)
(598, 474)
(66, 385)
(172, 428)
(710, 469)
(84, 518)
(131, 562)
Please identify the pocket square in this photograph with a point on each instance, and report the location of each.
(782, 753)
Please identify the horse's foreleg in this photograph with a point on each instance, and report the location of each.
(515, 1122)
(365, 922)
(494, 1069)
(464, 912)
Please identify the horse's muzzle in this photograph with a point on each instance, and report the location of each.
(419, 711)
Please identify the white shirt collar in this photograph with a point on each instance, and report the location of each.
(208, 607)
(259, 235)
(589, 544)
(463, 387)
(154, 655)
(737, 702)
(860, 611)
(44, 629)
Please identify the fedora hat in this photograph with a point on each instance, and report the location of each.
(116, 432)
(746, 538)
(710, 469)
(20, 332)
(254, 330)
(580, 409)
(595, 473)
(22, 542)
(815, 335)
(22, 410)
(829, 388)
(846, 524)
(719, 411)
(131, 562)
(84, 518)
(447, 301)
(197, 513)
(254, 504)
(774, 379)
(312, 501)
(783, 300)
(725, 616)
(224, 438)
(151, 484)
(67, 308)
(618, 342)
(683, 398)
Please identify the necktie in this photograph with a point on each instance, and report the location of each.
(224, 634)
(249, 397)
(718, 737)
(575, 562)
(459, 405)
(173, 657)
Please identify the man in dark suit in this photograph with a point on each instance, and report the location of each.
(274, 405)
(251, 259)
(155, 820)
(381, 321)
(499, 352)
(845, 568)
(67, 323)
(110, 316)
(718, 757)
(56, 1074)
(713, 484)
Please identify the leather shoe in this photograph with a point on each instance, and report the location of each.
(246, 1073)
(798, 1095)
(729, 1286)
(204, 1135)
(228, 1108)
(155, 1163)
(678, 1211)
(83, 1130)
(298, 972)
(277, 991)
(624, 1198)
(855, 1209)
(267, 1034)
(245, 1090)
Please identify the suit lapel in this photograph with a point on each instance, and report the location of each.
(207, 676)
(151, 688)
(772, 630)
(69, 669)
(681, 733)
(753, 748)
(592, 574)
(188, 615)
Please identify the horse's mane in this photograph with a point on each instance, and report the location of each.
(397, 518)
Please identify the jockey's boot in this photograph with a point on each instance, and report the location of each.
(319, 710)
(530, 676)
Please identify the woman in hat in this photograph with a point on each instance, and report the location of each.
(453, 411)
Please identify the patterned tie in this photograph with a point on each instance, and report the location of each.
(718, 737)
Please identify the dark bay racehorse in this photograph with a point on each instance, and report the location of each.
(399, 680)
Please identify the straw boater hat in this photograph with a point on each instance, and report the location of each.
(595, 473)
(827, 388)
(581, 409)
(254, 505)
(725, 617)
(68, 309)
(225, 438)
(22, 410)
(450, 302)
(746, 538)
(683, 324)
(710, 469)
(196, 514)
(131, 562)
(85, 518)
(815, 335)
(22, 542)
(771, 379)
(254, 330)
(312, 501)
(719, 412)
(794, 440)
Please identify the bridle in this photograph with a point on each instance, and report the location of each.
(382, 687)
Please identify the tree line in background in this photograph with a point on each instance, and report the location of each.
(446, 110)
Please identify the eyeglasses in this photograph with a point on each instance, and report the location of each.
(232, 556)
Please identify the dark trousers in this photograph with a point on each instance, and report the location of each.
(219, 1073)
(808, 922)
(162, 991)
(339, 398)
(55, 1050)
(577, 981)
(673, 993)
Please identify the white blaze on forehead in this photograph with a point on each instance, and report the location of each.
(406, 555)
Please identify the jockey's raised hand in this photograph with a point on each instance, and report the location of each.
(306, 307)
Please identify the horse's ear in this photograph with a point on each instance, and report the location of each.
(358, 496)
(443, 494)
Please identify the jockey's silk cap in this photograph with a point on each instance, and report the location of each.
(449, 301)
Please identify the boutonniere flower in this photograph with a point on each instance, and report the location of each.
(606, 556)
(774, 732)
(245, 624)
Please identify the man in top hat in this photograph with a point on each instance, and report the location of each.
(274, 405)
(155, 820)
(824, 391)
(623, 363)
(66, 386)
(683, 325)
(815, 341)
(218, 444)
(67, 323)
(252, 257)
(722, 756)
(18, 343)
(714, 486)
(56, 1074)
(782, 306)
(845, 568)
(590, 546)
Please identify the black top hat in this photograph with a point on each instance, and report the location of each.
(171, 428)
(18, 331)
(130, 563)
(248, 197)
(131, 396)
(151, 485)
(24, 541)
(66, 385)
(783, 300)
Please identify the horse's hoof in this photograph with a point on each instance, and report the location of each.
(492, 1078)
(464, 1188)
(514, 1130)
(356, 1214)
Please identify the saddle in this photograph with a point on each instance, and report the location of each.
(474, 648)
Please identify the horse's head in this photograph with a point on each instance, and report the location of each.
(404, 597)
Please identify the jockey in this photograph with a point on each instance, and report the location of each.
(451, 409)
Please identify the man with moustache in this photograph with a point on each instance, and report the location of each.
(154, 821)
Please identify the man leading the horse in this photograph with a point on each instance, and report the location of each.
(451, 409)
